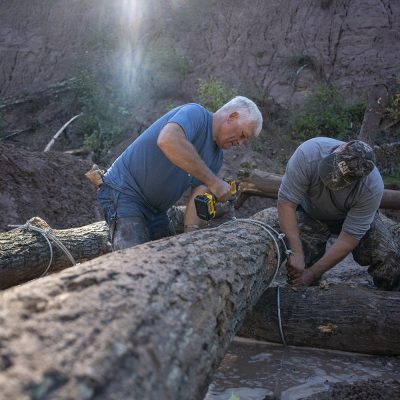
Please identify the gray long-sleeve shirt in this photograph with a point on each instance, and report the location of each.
(355, 204)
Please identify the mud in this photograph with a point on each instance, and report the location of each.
(259, 371)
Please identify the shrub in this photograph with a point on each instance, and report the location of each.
(163, 67)
(326, 113)
(103, 117)
(393, 109)
(213, 94)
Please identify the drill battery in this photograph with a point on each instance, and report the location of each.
(206, 203)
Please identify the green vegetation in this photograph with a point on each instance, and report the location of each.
(257, 147)
(393, 109)
(326, 113)
(168, 57)
(392, 179)
(213, 94)
(248, 165)
(163, 67)
(234, 397)
(103, 117)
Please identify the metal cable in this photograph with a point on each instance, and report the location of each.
(279, 236)
(47, 234)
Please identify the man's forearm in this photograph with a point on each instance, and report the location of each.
(343, 245)
(288, 225)
(183, 154)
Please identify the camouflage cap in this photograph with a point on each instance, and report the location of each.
(348, 163)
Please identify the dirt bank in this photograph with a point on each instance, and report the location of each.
(49, 185)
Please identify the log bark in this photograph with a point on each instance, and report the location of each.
(25, 254)
(150, 322)
(266, 184)
(344, 318)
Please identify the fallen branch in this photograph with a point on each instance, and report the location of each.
(340, 317)
(12, 134)
(266, 184)
(54, 138)
(150, 322)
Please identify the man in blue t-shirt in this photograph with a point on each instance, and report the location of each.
(182, 149)
(332, 187)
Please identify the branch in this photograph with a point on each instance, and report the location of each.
(50, 144)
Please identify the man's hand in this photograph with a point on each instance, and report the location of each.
(295, 267)
(304, 279)
(221, 190)
(298, 275)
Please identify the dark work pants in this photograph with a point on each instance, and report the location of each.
(379, 248)
(131, 224)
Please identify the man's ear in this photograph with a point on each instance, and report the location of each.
(233, 116)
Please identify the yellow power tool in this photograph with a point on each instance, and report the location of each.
(206, 203)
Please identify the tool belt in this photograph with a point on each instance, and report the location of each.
(95, 175)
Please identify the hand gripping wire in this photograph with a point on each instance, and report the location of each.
(275, 236)
(48, 235)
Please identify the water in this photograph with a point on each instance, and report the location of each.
(257, 371)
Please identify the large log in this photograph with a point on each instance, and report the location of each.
(25, 253)
(344, 318)
(150, 322)
(266, 184)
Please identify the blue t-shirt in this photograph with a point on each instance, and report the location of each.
(145, 173)
(356, 204)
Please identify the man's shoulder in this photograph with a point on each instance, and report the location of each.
(373, 182)
(190, 111)
(313, 150)
(193, 107)
(320, 144)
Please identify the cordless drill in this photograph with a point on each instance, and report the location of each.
(206, 203)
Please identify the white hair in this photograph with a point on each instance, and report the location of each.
(252, 113)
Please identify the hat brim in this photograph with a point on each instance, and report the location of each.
(331, 176)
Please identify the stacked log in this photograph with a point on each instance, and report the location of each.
(25, 254)
(266, 184)
(346, 318)
(150, 322)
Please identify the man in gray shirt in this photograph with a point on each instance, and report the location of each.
(332, 187)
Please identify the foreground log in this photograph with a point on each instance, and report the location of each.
(150, 322)
(25, 254)
(266, 184)
(340, 318)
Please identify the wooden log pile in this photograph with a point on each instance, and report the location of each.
(150, 322)
(266, 184)
(346, 318)
(25, 253)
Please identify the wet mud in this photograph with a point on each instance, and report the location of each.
(259, 371)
